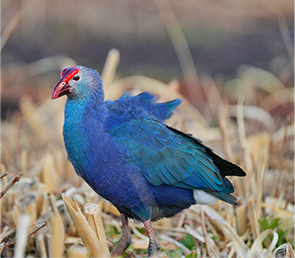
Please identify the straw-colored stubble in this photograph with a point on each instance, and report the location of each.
(93, 217)
(88, 236)
(57, 236)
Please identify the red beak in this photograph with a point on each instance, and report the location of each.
(62, 87)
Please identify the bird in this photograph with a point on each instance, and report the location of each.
(127, 154)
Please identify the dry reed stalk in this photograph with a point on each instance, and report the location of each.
(44, 208)
(90, 240)
(57, 235)
(205, 232)
(242, 219)
(197, 235)
(276, 192)
(257, 249)
(214, 100)
(41, 244)
(73, 240)
(140, 244)
(225, 137)
(173, 241)
(239, 247)
(21, 235)
(13, 23)
(139, 234)
(3, 234)
(275, 209)
(93, 217)
(284, 251)
(181, 220)
(110, 67)
(253, 220)
(164, 222)
(2, 210)
(24, 162)
(109, 220)
(180, 45)
(226, 145)
(8, 199)
(11, 231)
(4, 172)
(11, 183)
(60, 160)
(13, 216)
(244, 144)
(256, 143)
(48, 173)
(262, 168)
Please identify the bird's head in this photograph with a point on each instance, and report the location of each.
(77, 82)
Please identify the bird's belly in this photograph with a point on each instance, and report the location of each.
(170, 200)
(102, 165)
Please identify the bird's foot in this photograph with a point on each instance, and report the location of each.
(154, 249)
(125, 239)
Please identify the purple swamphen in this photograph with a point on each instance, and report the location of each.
(127, 154)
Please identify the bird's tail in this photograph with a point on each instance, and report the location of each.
(226, 197)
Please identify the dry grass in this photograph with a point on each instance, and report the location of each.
(38, 212)
(38, 215)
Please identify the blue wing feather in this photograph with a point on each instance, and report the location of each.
(164, 155)
(128, 108)
(167, 158)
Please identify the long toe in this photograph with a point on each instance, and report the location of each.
(154, 249)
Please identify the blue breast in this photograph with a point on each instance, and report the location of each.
(101, 162)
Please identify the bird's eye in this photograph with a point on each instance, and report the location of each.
(76, 78)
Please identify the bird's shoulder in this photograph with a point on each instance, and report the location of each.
(142, 106)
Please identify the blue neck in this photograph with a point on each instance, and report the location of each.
(83, 117)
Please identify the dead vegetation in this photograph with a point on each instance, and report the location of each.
(48, 211)
(40, 219)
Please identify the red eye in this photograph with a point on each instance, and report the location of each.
(76, 78)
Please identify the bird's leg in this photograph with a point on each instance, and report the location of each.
(154, 246)
(125, 239)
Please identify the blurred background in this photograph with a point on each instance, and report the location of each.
(154, 39)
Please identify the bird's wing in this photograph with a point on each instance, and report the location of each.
(167, 157)
(141, 106)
